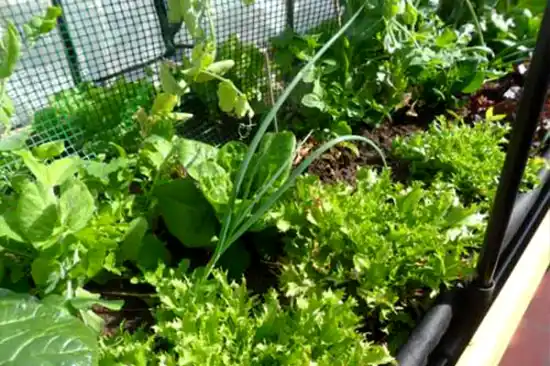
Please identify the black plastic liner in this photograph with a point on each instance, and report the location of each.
(528, 211)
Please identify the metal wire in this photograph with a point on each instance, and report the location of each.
(98, 42)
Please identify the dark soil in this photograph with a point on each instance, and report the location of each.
(503, 96)
(340, 164)
(134, 314)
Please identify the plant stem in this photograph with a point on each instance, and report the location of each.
(270, 85)
(476, 22)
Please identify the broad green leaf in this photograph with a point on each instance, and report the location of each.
(175, 13)
(49, 150)
(46, 273)
(37, 168)
(193, 153)
(15, 141)
(475, 83)
(447, 38)
(7, 104)
(84, 303)
(32, 333)
(169, 83)
(9, 227)
(276, 150)
(313, 101)
(202, 55)
(231, 155)
(10, 50)
(217, 68)
(227, 96)
(36, 213)
(186, 213)
(152, 252)
(341, 128)
(133, 239)
(164, 103)
(215, 183)
(242, 107)
(7, 109)
(77, 205)
(156, 150)
(61, 170)
(4, 118)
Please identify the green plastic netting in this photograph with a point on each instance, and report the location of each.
(88, 71)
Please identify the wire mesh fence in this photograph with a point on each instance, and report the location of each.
(85, 79)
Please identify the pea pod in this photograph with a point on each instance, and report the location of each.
(217, 68)
(11, 51)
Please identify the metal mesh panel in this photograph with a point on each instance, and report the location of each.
(99, 41)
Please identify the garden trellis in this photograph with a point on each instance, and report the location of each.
(98, 41)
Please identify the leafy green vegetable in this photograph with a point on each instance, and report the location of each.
(406, 57)
(381, 241)
(34, 333)
(10, 52)
(216, 322)
(186, 213)
(10, 49)
(40, 25)
(471, 158)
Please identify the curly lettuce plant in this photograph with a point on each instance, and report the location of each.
(469, 157)
(217, 322)
(391, 247)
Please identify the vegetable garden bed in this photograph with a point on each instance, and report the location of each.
(322, 237)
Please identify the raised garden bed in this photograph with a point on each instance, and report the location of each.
(324, 237)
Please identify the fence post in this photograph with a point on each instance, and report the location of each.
(68, 45)
(167, 29)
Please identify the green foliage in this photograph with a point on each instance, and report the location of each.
(406, 56)
(216, 322)
(380, 240)
(469, 157)
(201, 67)
(214, 171)
(39, 333)
(92, 116)
(134, 349)
(48, 224)
(187, 213)
(40, 25)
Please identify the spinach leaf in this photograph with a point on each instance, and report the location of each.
(186, 213)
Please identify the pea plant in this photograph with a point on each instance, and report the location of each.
(202, 66)
(10, 53)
